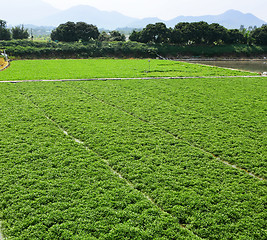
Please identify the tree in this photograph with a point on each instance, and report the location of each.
(235, 36)
(260, 35)
(65, 32)
(4, 32)
(156, 33)
(217, 33)
(19, 32)
(162, 33)
(135, 36)
(86, 32)
(104, 37)
(71, 32)
(117, 36)
(197, 32)
(181, 33)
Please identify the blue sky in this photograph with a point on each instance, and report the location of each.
(168, 9)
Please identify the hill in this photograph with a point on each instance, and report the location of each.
(85, 13)
(230, 19)
(112, 20)
(40, 13)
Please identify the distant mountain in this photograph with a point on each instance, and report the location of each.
(40, 13)
(85, 13)
(143, 22)
(17, 12)
(231, 19)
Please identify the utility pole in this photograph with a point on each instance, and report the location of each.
(31, 35)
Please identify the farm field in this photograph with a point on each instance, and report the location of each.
(53, 188)
(134, 159)
(109, 68)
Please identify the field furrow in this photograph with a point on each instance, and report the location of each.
(51, 187)
(212, 199)
(224, 117)
(174, 135)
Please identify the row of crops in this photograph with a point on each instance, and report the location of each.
(109, 68)
(52, 188)
(160, 136)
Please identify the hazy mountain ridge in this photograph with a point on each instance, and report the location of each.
(25, 11)
(40, 13)
(230, 19)
(85, 13)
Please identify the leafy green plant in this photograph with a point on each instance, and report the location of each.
(109, 68)
(162, 135)
(53, 188)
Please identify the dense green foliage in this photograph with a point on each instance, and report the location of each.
(183, 33)
(19, 32)
(5, 33)
(109, 68)
(45, 49)
(52, 188)
(160, 135)
(196, 33)
(156, 33)
(260, 35)
(71, 32)
(36, 49)
(116, 36)
(215, 116)
(238, 50)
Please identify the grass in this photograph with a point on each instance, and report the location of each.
(108, 68)
(52, 188)
(145, 167)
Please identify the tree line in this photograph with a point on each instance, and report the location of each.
(195, 33)
(81, 31)
(18, 32)
(184, 33)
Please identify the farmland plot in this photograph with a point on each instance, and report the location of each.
(108, 68)
(51, 187)
(226, 117)
(148, 132)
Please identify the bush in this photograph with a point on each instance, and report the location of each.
(34, 49)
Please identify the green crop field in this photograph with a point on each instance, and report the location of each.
(132, 159)
(108, 68)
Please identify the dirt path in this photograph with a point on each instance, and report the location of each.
(109, 79)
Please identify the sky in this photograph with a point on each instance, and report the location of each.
(168, 9)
